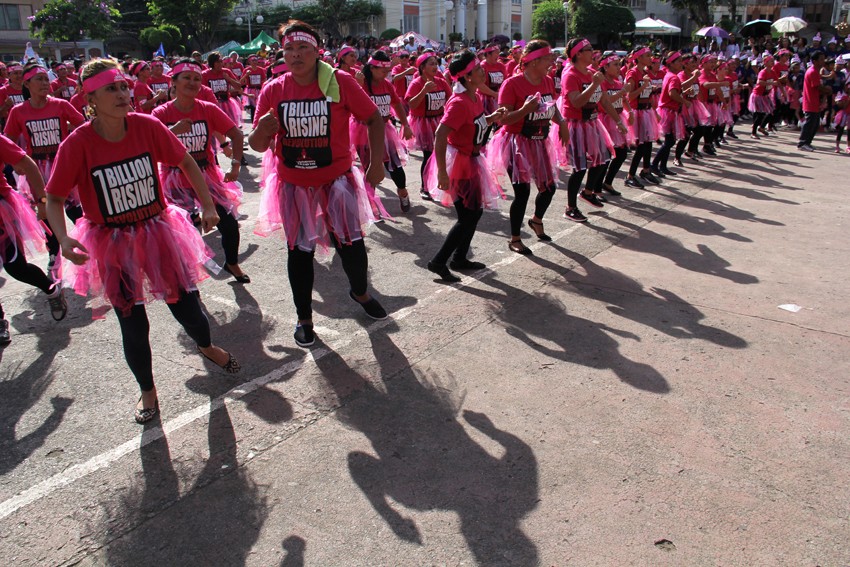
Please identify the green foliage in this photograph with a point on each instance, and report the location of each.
(199, 19)
(134, 16)
(698, 10)
(517, 36)
(167, 34)
(547, 21)
(275, 16)
(390, 33)
(327, 15)
(455, 36)
(600, 17)
(727, 24)
(73, 20)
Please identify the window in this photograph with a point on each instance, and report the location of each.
(637, 4)
(10, 19)
(516, 2)
(516, 24)
(411, 18)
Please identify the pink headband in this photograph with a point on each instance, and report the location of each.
(343, 52)
(608, 60)
(183, 67)
(383, 64)
(300, 36)
(61, 66)
(467, 70)
(490, 49)
(14, 67)
(102, 79)
(673, 57)
(137, 67)
(577, 47)
(542, 52)
(423, 58)
(33, 72)
(279, 69)
(401, 54)
(637, 54)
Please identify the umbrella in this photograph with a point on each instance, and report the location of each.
(713, 31)
(756, 28)
(789, 24)
(503, 39)
(648, 26)
(419, 40)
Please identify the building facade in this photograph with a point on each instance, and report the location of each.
(14, 35)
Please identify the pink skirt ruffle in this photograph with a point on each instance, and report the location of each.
(618, 139)
(159, 258)
(251, 96)
(45, 167)
(644, 128)
(309, 215)
(233, 109)
(712, 108)
(735, 105)
(490, 104)
(179, 191)
(19, 225)
(395, 150)
(672, 123)
(524, 160)
(470, 180)
(589, 146)
(724, 116)
(423, 132)
(761, 103)
(842, 118)
(696, 114)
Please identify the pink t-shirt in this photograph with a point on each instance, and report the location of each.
(206, 118)
(693, 89)
(708, 94)
(514, 93)
(611, 88)
(117, 181)
(141, 94)
(671, 83)
(42, 129)
(206, 95)
(8, 91)
(161, 83)
(63, 89)
(467, 121)
(384, 96)
(217, 81)
(811, 92)
(401, 82)
(434, 101)
(313, 141)
(9, 153)
(495, 74)
(575, 81)
(634, 78)
(254, 77)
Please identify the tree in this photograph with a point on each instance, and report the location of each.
(600, 18)
(547, 21)
(74, 20)
(168, 35)
(327, 15)
(390, 33)
(698, 10)
(199, 19)
(134, 16)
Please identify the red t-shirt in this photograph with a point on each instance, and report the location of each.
(634, 78)
(161, 83)
(206, 95)
(811, 92)
(495, 74)
(313, 141)
(693, 89)
(401, 83)
(63, 89)
(468, 123)
(206, 118)
(42, 129)
(8, 91)
(79, 102)
(707, 94)
(217, 82)
(511, 67)
(117, 181)
(575, 81)
(434, 101)
(236, 68)
(671, 82)
(254, 77)
(611, 88)
(513, 94)
(141, 94)
(10, 153)
(384, 96)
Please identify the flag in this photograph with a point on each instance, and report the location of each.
(159, 52)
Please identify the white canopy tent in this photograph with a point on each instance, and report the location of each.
(651, 26)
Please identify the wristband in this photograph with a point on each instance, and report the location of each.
(225, 144)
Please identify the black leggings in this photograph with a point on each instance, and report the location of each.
(25, 272)
(398, 176)
(522, 192)
(642, 153)
(73, 212)
(615, 164)
(425, 155)
(663, 154)
(839, 131)
(135, 334)
(683, 143)
(460, 235)
(594, 177)
(299, 265)
(699, 132)
(228, 227)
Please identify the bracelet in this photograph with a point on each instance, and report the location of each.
(225, 144)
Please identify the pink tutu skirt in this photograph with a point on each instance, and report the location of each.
(619, 140)
(842, 118)
(233, 109)
(45, 167)
(761, 103)
(672, 123)
(310, 215)
(19, 226)
(395, 150)
(794, 98)
(724, 116)
(251, 96)
(696, 114)
(470, 179)
(589, 146)
(644, 128)
(158, 258)
(712, 108)
(423, 132)
(179, 191)
(524, 160)
(490, 104)
(735, 105)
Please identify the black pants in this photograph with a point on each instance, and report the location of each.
(615, 164)
(643, 153)
(839, 131)
(811, 121)
(299, 265)
(73, 212)
(663, 154)
(522, 192)
(460, 235)
(718, 132)
(699, 133)
(594, 177)
(425, 155)
(25, 272)
(683, 143)
(758, 121)
(398, 176)
(228, 227)
(135, 331)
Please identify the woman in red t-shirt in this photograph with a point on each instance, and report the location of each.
(347, 60)
(695, 114)
(253, 79)
(495, 75)
(197, 123)
(145, 99)
(618, 94)
(670, 105)
(426, 96)
(41, 123)
(21, 232)
(761, 98)
(457, 173)
(131, 245)
(314, 193)
(643, 122)
(382, 93)
(221, 81)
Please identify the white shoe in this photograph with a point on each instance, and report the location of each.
(806, 148)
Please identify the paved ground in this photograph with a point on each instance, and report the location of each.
(630, 395)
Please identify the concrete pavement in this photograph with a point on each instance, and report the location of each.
(630, 395)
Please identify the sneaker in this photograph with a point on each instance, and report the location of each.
(443, 271)
(693, 155)
(5, 337)
(372, 308)
(755, 137)
(647, 176)
(465, 264)
(677, 162)
(610, 190)
(806, 148)
(656, 172)
(425, 195)
(709, 150)
(592, 199)
(732, 135)
(634, 182)
(575, 215)
(304, 335)
(57, 303)
(404, 203)
(666, 171)
(600, 196)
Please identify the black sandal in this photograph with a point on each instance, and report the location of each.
(518, 247)
(232, 365)
(144, 415)
(540, 235)
(243, 279)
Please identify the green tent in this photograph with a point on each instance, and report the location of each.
(254, 45)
